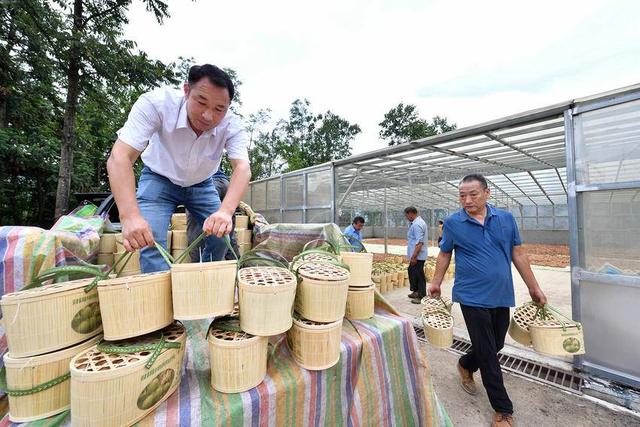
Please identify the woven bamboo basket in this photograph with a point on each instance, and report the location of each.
(243, 248)
(30, 372)
(322, 293)
(132, 267)
(50, 317)
(400, 278)
(438, 328)
(238, 359)
(179, 221)
(169, 240)
(135, 305)
(119, 389)
(178, 240)
(119, 243)
(203, 290)
(242, 222)
(107, 259)
(556, 338)
(430, 304)
(315, 257)
(393, 281)
(360, 265)
(243, 236)
(360, 303)
(406, 278)
(315, 346)
(107, 243)
(266, 296)
(386, 282)
(523, 316)
(186, 260)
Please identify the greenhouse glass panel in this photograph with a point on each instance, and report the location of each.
(319, 216)
(294, 217)
(259, 196)
(319, 188)
(273, 194)
(293, 191)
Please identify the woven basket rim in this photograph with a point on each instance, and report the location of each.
(54, 356)
(332, 273)
(42, 291)
(202, 266)
(134, 280)
(248, 276)
(316, 325)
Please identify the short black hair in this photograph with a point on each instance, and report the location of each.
(475, 177)
(411, 209)
(358, 220)
(215, 75)
(440, 221)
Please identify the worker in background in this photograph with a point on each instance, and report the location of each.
(353, 234)
(486, 241)
(181, 135)
(194, 228)
(416, 254)
(440, 228)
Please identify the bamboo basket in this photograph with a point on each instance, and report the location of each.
(438, 328)
(393, 281)
(322, 293)
(169, 240)
(203, 290)
(430, 304)
(117, 389)
(243, 248)
(107, 259)
(266, 296)
(132, 267)
(238, 359)
(179, 221)
(243, 236)
(178, 240)
(523, 316)
(360, 303)
(119, 243)
(406, 278)
(315, 346)
(315, 257)
(107, 243)
(399, 279)
(135, 305)
(186, 260)
(242, 222)
(556, 338)
(384, 283)
(50, 317)
(28, 373)
(360, 265)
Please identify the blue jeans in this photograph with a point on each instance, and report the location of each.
(158, 198)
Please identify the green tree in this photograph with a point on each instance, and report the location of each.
(403, 124)
(308, 139)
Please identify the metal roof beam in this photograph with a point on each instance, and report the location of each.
(518, 149)
(519, 189)
(540, 187)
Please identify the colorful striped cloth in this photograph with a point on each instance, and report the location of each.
(381, 379)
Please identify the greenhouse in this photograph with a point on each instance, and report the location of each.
(569, 172)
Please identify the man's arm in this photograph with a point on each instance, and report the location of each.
(523, 265)
(442, 263)
(219, 223)
(416, 251)
(136, 232)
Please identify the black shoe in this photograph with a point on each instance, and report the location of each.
(417, 300)
(413, 295)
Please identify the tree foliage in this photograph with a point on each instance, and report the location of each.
(403, 124)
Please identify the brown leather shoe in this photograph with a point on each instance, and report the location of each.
(413, 295)
(466, 380)
(502, 420)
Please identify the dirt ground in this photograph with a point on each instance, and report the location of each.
(545, 255)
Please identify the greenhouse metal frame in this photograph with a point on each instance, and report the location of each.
(572, 167)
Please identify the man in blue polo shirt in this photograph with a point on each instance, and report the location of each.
(353, 234)
(486, 241)
(416, 254)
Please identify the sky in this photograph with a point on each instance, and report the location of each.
(470, 61)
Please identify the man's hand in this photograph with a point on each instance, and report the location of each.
(434, 290)
(218, 224)
(538, 296)
(136, 233)
(413, 261)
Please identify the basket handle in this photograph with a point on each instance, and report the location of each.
(124, 259)
(170, 260)
(56, 272)
(26, 392)
(158, 348)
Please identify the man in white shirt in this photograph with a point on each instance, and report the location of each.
(181, 135)
(416, 254)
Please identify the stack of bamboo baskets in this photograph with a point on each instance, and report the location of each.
(243, 233)
(361, 294)
(45, 327)
(179, 240)
(430, 269)
(390, 274)
(106, 249)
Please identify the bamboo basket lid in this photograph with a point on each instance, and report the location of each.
(54, 356)
(266, 276)
(93, 364)
(438, 320)
(202, 266)
(323, 271)
(524, 315)
(227, 330)
(367, 288)
(315, 257)
(434, 304)
(552, 322)
(35, 294)
(310, 324)
(135, 280)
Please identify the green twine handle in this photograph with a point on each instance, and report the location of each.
(360, 247)
(56, 272)
(124, 258)
(157, 348)
(188, 249)
(166, 255)
(252, 256)
(335, 249)
(40, 387)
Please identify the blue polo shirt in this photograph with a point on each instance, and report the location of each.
(483, 257)
(354, 237)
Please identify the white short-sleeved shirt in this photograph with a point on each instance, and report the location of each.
(417, 233)
(158, 126)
